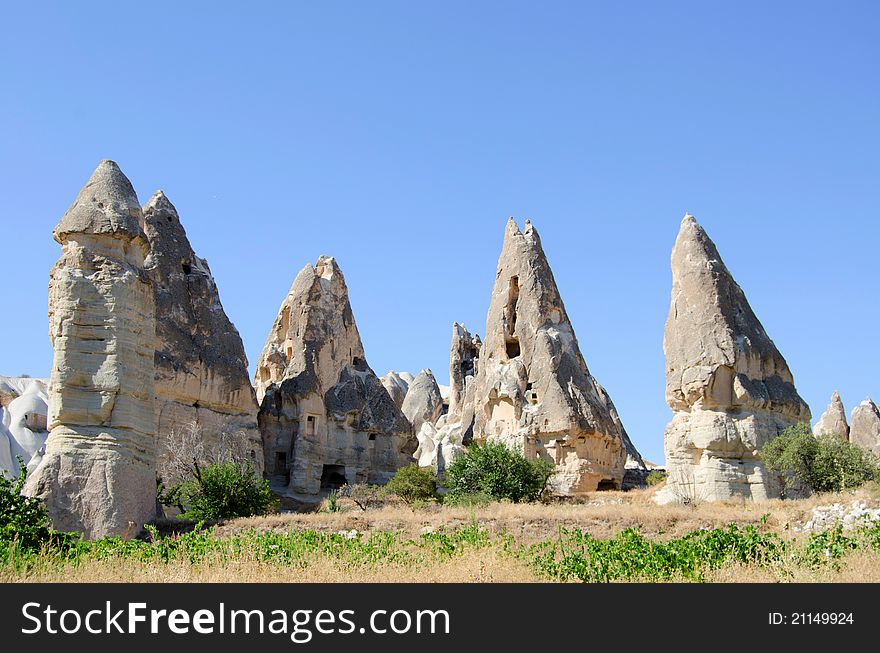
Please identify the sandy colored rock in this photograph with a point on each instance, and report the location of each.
(865, 426)
(201, 367)
(533, 390)
(423, 402)
(833, 420)
(730, 388)
(396, 387)
(325, 417)
(98, 474)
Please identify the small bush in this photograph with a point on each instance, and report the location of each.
(223, 491)
(496, 470)
(655, 477)
(413, 485)
(826, 463)
(23, 520)
(363, 496)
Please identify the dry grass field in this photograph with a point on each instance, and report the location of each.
(412, 556)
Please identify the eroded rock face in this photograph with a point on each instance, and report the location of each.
(423, 402)
(441, 441)
(865, 426)
(729, 386)
(533, 389)
(98, 474)
(23, 413)
(201, 367)
(833, 420)
(396, 387)
(325, 417)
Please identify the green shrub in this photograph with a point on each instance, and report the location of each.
(23, 520)
(223, 491)
(413, 485)
(497, 470)
(655, 477)
(826, 463)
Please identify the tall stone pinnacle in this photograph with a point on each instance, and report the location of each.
(833, 420)
(98, 474)
(729, 386)
(533, 390)
(325, 417)
(201, 366)
(865, 426)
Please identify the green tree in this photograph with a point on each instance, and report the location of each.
(498, 471)
(222, 491)
(413, 485)
(826, 463)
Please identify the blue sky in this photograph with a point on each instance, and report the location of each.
(398, 137)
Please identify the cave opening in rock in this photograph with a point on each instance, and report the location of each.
(607, 484)
(333, 477)
(280, 463)
(511, 341)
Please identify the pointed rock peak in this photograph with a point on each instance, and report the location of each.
(107, 204)
(160, 201)
(712, 327)
(512, 229)
(833, 420)
(327, 268)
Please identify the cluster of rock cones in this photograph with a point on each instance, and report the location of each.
(142, 347)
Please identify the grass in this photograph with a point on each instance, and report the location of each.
(607, 537)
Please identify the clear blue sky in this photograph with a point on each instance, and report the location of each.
(398, 137)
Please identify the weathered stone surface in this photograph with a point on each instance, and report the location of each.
(23, 432)
(440, 442)
(729, 386)
(533, 389)
(396, 387)
(865, 426)
(423, 402)
(325, 417)
(833, 420)
(464, 358)
(438, 447)
(201, 368)
(98, 474)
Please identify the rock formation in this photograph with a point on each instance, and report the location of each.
(864, 427)
(440, 442)
(201, 368)
(23, 433)
(423, 402)
(396, 387)
(98, 474)
(533, 389)
(464, 356)
(729, 386)
(833, 420)
(325, 417)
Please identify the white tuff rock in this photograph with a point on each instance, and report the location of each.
(533, 390)
(98, 474)
(730, 388)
